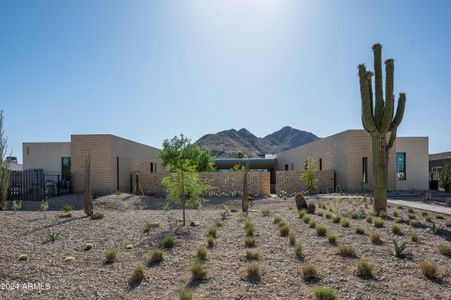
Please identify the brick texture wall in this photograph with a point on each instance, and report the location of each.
(288, 182)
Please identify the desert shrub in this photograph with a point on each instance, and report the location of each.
(395, 229)
(354, 215)
(439, 217)
(332, 238)
(225, 213)
(429, 219)
(436, 229)
(44, 206)
(311, 208)
(23, 257)
(309, 272)
(53, 236)
(249, 227)
(111, 256)
(346, 251)
(369, 219)
(410, 211)
(336, 219)
(312, 224)
(148, 227)
(445, 249)
(396, 214)
(319, 213)
(67, 207)
(424, 213)
(168, 241)
(277, 219)
(398, 249)
(129, 246)
(302, 213)
(399, 221)
(210, 241)
(378, 223)
(212, 231)
(324, 293)
(328, 215)
(198, 270)
(429, 268)
(359, 230)
(292, 238)
(266, 212)
(345, 223)
(88, 246)
(240, 217)
(253, 270)
(249, 242)
(201, 253)
(284, 230)
(217, 223)
(364, 269)
(447, 223)
(306, 219)
(414, 223)
(281, 224)
(156, 256)
(299, 250)
(185, 294)
(69, 259)
(414, 236)
(411, 216)
(252, 254)
(321, 229)
(137, 274)
(375, 238)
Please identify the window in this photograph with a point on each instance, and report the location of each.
(155, 167)
(320, 164)
(28, 150)
(365, 169)
(151, 167)
(401, 166)
(286, 167)
(65, 168)
(435, 175)
(292, 167)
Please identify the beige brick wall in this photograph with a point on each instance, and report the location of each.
(288, 182)
(342, 152)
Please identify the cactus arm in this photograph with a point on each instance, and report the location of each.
(392, 139)
(367, 117)
(369, 75)
(379, 109)
(399, 111)
(389, 96)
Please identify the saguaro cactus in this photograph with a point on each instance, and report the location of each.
(380, 121)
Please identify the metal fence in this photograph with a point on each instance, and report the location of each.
(35, 185)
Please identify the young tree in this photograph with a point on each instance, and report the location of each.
(87, 193)
(184, 161)
(245, 195)
(308, 177)
(445, 177)
(4, 171)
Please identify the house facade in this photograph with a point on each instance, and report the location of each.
(436, 163)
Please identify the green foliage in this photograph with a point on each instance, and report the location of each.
(336, 219)
(429, 269)
(198, 270)
(321, 229)
(332, 238)
(266, 212)
(23, 257)
(212, 231)
(156, 256)
(364, 269)
(309, 272)
(346, 251)
(226, 212)
(445, 177)
(168, 241)
(308, 176)
(249, 227)
(302, 213)
(88, 246)
(138, 273)
(284, 230)
(148, 227)
(201, 253)
(53, 236)
(375, 238)
(312, 224)
(44, 206)
(67, 207)
(17, 205)
(359, 230)
(445, 249)
(399, 248)
(345, 223)
(414, 237)
(277, 219)
(249, 242)
(396, 229)
(237, 168)
(378, 223)
(111, 256)
(210, 241)
(437, 230)
(252, 254)
(306, 219)
(185, 294)
(253, 270)
(299, 250)
(292, 238)
(4, 170)
(324, 293)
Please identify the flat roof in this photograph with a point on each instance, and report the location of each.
(254, 163)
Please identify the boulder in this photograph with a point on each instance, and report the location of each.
(194, 223)
(300, 201)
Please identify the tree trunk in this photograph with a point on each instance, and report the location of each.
(184, 197)
(380, 171)
(245, 196)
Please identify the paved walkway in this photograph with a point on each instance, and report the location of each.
(425, 206)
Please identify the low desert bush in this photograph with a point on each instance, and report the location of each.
(185, 294)
(67, 207)
(359, 230)
(309, 272)
(201, 253)
(411, 216)
(312, 224)
(111, 256)
(332, 238)
(378, 223)
(346, 251)
(414, 223)
(210, 241)
(253, 270)
(137, 274)
(306, 219)
(212, 231)
(395, 229)
(252, 254)
(320, 214)
(53, 236)
(311, 207)
(321, 229)
(414, 236)
(266, 212)
(396, 214)
(429, 268)
(299, 250)
(168, 241)
(249, 242)
(382, 215)
(354, 215)
(424, 213)
(97, 215)
(398, 249)
(277, 219)
(445, 249)
(88, 246)
(249, 227)
(364, 269)
(439, 217)
(375, 238)
(69, 259)
(292, 238)
(328, 215)
(148, 227)
(399, 221)
(429, 219)
(284, 230)
(410, 211)
(324, 293)
(345, 223)
(23, 257)
(302, 213)
(218, 223)
(447, 223)
(336, 219)
(198, 270)
(156, 256)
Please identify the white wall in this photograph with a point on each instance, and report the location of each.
(46, 156)
(417, 163)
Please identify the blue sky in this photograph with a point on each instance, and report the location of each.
(149, 70)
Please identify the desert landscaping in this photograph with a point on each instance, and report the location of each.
(275, 252)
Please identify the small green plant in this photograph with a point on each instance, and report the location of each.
(23, 257)
(148, 227)
(185, 294)
(437, 230)
(411, 216)
(332, 238)
(364, 269)
(310, 273)
(16, 205)
(198, 270)
(277, 220)
(346, 251)
(424, 213)
(321, 229)
(252, 254)
(375, 238)
(328, 216)
(344, 223)
(292, 238)
(253, 270)
(382, 215)
(399, 221)
(396, 214)
(168, 241)
(302, 213)
(369, 219)
(354, 215)
(414, 223)
(284, 230)
(53, 236)
(137, 274)
(111, 256)
(395, 229)
(429, 268)
(378, 223)
(217, 223)
(210, 241)
(445, 249)
(266, 212)
(67, 207)
(249, 242)
(414, 237)
(312, 224)
(156, 256)
(410, 211)
(212, 231)
(306, 219)
(336, 219)
(201, 253)
(88, 246)
(299, 250)
(324, 293)
(359, 230)
(241, 217)
(225, 213)
(249, 227)
(44, 206)
(320, 214)
(399, 248)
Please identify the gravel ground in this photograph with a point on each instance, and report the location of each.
(125, 216)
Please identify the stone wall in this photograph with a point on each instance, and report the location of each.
(288, 183)
(222, 183)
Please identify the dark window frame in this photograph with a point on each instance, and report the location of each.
(320, 164)
(365, 169)
(401, 173)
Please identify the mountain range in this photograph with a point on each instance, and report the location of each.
(229, 143)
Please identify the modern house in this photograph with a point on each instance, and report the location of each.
(12, 164)
(113, 161)
(436, 162)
